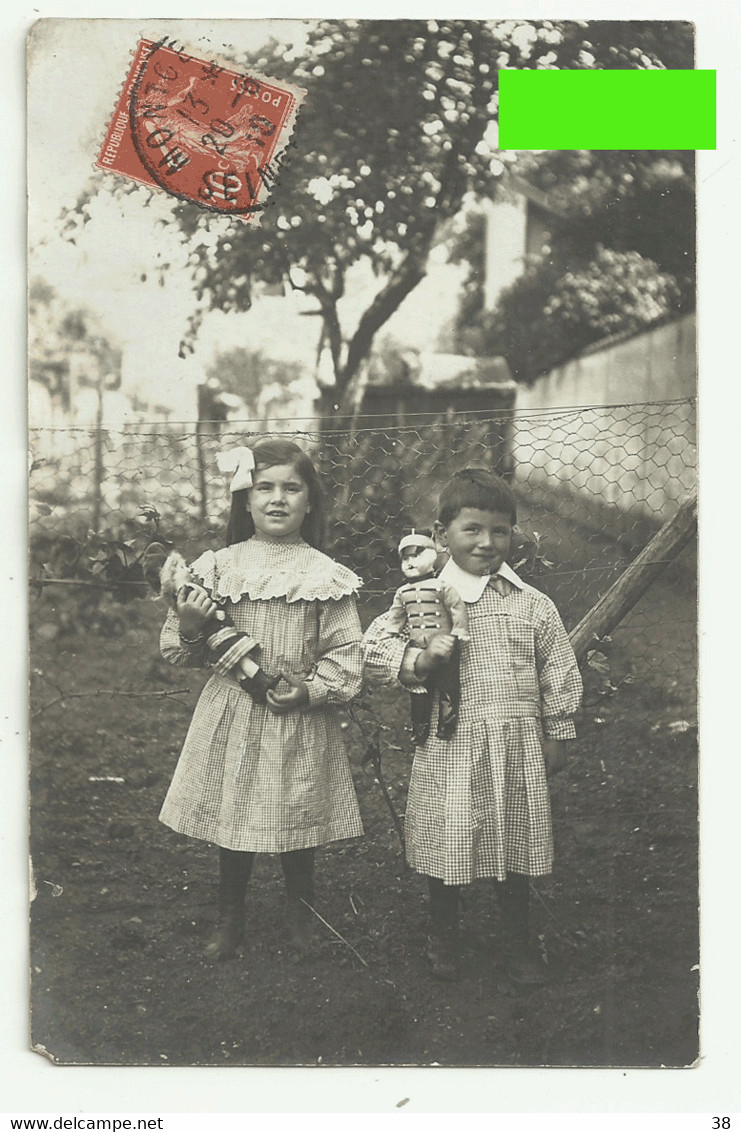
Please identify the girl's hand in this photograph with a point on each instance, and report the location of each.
(194, 608)
(297, 696)
(554, 754)
(437, 652)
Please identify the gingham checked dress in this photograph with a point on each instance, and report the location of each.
(248, 779)
(478, 804)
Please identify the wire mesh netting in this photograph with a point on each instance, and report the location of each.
(593, 484)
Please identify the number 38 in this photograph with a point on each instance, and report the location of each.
(721, 1122)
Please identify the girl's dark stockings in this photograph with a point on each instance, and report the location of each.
(523, 961)
(443, 944)
(235, 869)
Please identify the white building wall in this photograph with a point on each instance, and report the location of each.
(506, 233)
(633, 445)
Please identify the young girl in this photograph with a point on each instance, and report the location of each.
(478, 802)
(269, 774)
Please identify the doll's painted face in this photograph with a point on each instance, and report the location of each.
(278, 502)
(418, 562)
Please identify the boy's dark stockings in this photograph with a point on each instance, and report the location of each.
(443, 945)
(522, 960)
(298, 870)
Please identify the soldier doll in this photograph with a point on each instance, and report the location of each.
(426, 606)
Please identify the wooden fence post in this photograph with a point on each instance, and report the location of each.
(99, 472)
(633, 583)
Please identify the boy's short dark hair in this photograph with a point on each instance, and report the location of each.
(478, 488)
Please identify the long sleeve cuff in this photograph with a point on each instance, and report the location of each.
(189, 654)
(559, 729)
(323, 691)
(318, 693)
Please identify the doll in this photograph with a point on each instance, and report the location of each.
(228, 648)
(427, 606)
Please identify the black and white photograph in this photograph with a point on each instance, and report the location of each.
(362, 553)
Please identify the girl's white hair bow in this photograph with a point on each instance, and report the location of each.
(241, 461)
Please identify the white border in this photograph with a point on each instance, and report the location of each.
(29, 1084)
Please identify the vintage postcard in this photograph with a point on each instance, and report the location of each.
(395, 764)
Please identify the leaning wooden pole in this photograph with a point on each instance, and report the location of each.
(633, 583)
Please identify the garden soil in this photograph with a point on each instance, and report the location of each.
(123, 907)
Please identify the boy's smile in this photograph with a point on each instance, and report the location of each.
(478, 541)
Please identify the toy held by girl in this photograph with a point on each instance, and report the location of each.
(268, 773)
(478, 803)
(425, 607)
(228, 649)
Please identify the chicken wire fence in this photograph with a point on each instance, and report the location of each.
(593, 484)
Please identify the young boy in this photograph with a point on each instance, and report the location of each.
(478, 803)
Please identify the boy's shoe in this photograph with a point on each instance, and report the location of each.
(443, 953)
(525, 966)
(300, 924)
(228, 937)
(259, 685)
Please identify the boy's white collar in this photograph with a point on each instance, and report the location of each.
(471, 586)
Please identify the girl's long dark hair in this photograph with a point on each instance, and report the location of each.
(267, 454)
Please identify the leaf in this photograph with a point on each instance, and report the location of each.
(371, 754)
(599, 662)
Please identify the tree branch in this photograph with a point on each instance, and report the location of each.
(386, 302)
(331, 321)
(164, 693)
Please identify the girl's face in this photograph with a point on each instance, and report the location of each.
(478, 541)
(278, 502)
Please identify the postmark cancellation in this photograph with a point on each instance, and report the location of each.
(200, 131)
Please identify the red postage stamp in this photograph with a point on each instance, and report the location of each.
(200, 131)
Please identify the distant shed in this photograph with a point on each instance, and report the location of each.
(410, 388)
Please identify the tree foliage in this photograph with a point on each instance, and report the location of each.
(620, 256)
(641, 201)
(244, 372)
(549, 316)
(396, 129)
(56, 333)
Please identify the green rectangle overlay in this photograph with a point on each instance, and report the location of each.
(606, 110)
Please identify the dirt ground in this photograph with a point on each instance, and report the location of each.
(124, 906)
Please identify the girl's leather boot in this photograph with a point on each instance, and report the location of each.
(235, 869)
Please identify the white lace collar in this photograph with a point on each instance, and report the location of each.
(264, 570)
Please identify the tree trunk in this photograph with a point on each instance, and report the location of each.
(99, 473)
(386, 303)
(633, 583)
